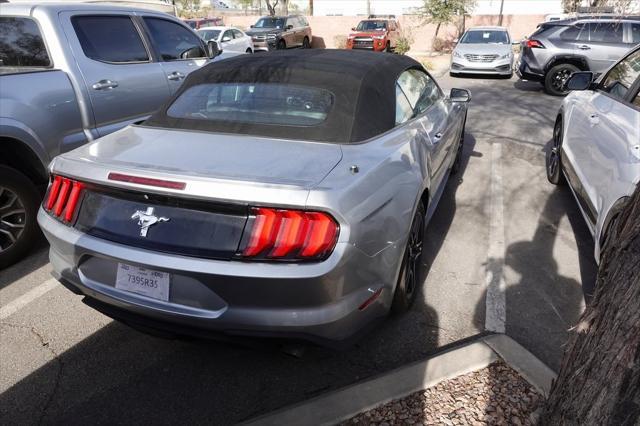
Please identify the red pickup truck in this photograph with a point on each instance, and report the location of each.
(380, 35)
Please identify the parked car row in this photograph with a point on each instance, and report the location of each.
(264, 195)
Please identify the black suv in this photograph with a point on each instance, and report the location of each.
(280, 32)
(558, 49)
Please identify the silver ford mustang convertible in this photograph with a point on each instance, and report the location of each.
(282, 195)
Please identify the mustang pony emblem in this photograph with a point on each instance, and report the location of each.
(147, 219)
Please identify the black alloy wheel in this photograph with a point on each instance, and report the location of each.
(554, 156)
(282, 45)
(306, 44)
(554, 81)
(409, 279)
(19, 201)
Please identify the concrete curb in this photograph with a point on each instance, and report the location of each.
(345, 403)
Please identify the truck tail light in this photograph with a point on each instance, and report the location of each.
(290, 235)
(534, 44)
(62, 198)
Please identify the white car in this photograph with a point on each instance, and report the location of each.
(229, 39)
(596, 143)
(483, 50)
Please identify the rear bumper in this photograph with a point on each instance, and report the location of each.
(497, 67)
(375, 46)
(525, 72)
(264, 46)
(315, 301)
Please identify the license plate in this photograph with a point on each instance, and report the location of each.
(143, 281)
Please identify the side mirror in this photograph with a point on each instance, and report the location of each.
(252, 26)
(515, 43)
(455, 40)
(289, 27)
(227, 38)
(580, 80)
(214, 49)
(460, 95)
(353, 28)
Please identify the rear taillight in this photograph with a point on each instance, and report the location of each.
(63, 197)
(534, 44)
(290, 234)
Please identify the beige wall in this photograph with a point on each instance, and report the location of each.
(325, 28)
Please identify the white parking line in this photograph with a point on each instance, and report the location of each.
(22, 301)
(496, 300)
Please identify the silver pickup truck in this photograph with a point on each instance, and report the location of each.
(71, 73)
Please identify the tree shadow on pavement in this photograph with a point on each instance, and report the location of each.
(552, 302)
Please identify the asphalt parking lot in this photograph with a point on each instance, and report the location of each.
(504, 251)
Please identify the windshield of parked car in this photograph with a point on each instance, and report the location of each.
(485, 37)
(372, 26)
(256, 103)
(270, 23)
(209, 34)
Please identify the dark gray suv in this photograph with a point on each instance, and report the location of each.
(558, 49)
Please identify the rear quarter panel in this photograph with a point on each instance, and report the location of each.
(41, 110)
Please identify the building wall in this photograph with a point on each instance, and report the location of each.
(399, 7)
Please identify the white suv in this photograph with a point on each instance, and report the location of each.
(596, 143)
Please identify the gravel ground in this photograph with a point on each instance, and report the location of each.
(495, 395)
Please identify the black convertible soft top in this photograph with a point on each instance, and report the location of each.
(362, 84)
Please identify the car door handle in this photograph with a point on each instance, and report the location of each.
(105, 85)
(584, 47)
(594, 119)
(175, 76)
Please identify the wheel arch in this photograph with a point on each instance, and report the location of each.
(20, 156)
(577, 60)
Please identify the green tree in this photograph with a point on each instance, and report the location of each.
(443, 12)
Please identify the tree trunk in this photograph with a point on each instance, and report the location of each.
(501, 10)
(435, 36)
(310, 7)
(599, 380)
(272, 7)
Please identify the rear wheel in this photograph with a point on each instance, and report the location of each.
(282, 45)
(306, 44)
(249, 50)
(554, 81)
(19, 201)
(554, 155)
(388, 48)
(409, 279)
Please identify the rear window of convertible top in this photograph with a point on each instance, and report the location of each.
(257, 103)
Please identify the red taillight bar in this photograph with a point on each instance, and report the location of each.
(161, 183)
(290, 234)
(64, 194)
(53, 192)
(535, 44)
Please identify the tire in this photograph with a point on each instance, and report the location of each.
(553, 162)
(306, 44)
(556, 77)
(249, 51)
(409, 278)
(388, 48)
(19, 201)
(458, 161)
(282, 45)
